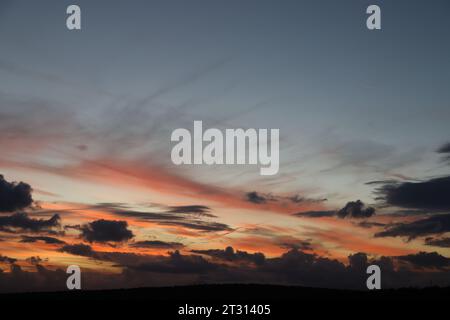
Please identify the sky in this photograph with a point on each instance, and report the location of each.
(86, 118)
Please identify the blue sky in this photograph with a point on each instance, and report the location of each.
(377, 101)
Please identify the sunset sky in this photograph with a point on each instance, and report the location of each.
(86, 118)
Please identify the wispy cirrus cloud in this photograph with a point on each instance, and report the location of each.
(190, 217)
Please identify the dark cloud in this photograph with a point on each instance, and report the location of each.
(261, 198)
(6, 259)
(442, 242)
(35, 260)
(14, 196)
(315, 214)
(175, 269)
(124, 260)
(40, 279)
(146, 216)
(255, 197)
(368, 225)
(432, 194)
(306, 269)
(193, 209)
(79, 249)
(21, 221)
(172, 213)
(433, 225)
(205, 226)
(358, 261)
(48, 240)
(111, 205)
(295, 244)
(353, 209)
(427, 260)
(291, 268)
(156, 244)
(299, 199)
(375, 182)
(177, 263)
(444, 148)
(105, 231)
(356, 209)
(237, 256)
(410, 212)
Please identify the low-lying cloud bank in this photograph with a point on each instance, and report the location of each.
(294, 267)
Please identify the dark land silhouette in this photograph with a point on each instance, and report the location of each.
(237, 292)
(285, 302)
